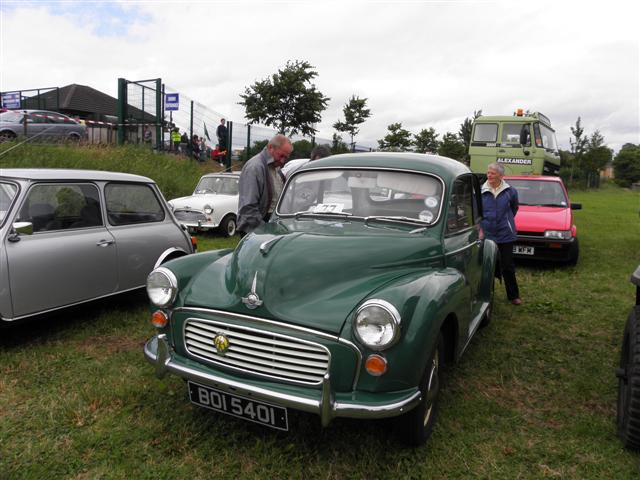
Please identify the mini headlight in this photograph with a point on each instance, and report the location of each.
(377, 324)
(208, 209)
(558, 234)
(162, 287)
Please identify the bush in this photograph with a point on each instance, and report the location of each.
(626, 165)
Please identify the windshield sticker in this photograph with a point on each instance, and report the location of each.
(431, 202)
(426, 216)
(328, 208)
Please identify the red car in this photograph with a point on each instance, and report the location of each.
(544, 220)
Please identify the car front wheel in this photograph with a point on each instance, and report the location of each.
(629, 383)
(228, 226)
(416, 425)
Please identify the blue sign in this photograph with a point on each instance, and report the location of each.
(11, 100)
(171, 101)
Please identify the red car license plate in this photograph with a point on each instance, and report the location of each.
(522, 250)
(237, 406)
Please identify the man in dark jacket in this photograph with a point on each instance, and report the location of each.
(499, 207)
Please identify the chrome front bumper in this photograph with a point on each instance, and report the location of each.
(323, 402)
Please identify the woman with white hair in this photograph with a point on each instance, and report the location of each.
(499, 207)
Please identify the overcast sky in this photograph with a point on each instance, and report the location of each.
(422, 63)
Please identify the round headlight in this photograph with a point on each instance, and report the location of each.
(162, 287)
(377, 324)
(208, 209)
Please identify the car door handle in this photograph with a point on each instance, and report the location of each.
(104, 243)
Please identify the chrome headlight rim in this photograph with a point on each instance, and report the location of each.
(557, 234)
(395, 323)
(172, 286)
(207, 209)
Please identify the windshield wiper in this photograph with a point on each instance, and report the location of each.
(393, 219)
(308, 213)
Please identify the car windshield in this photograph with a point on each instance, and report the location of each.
(10, 117)
(7, 193)
(539, 192)
(219, 185)
(385, 195)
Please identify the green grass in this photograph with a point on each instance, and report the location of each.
(533, 397)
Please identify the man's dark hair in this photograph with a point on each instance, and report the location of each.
(320, 151)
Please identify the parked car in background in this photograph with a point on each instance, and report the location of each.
(629, 375)
(371, 274)
(42, 124)
(214, 204)
(544, 220)
(70, 236)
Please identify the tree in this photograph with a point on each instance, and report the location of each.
(578, 146)
(286, 100)
(337, 145)
(397, 140)
(465, 132)
(595, 158)
(301, 149)
(355, 114)
(452, 147)
(426, 141)
(626, 165)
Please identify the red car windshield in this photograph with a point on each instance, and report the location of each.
(539, 192)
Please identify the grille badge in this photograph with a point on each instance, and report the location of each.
(221, 343)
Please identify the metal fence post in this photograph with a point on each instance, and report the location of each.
(122, 108)
(229, 146)
(159, 113)
(246, 156)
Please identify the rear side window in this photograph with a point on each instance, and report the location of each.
(485, 132)
(461, 205)
(131, 203)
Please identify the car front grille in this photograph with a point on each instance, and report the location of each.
(190, 216)
(258, 351)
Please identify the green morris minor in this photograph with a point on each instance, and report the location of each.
(372, 273)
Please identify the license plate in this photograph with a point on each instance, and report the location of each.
(521, 250)
(237, 406)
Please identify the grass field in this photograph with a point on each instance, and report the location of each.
(533, 397)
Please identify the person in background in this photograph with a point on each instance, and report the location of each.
(146, 135)
(222, 133)
(499, 207)
(261, 183)
(319, 151)
(175, 139)
(184, 143)
(195, 147)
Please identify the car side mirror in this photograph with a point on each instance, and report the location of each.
(635, 277)
(576, 206)
(20, 228)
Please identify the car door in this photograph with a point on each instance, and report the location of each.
(142, 228)
(463, 247)
(69, 258)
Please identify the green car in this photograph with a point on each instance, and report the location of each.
(372, 273)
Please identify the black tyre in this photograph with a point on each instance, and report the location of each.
(228, 226)
(7, 136)
(574, 252)
(416, 426)
(629, 383)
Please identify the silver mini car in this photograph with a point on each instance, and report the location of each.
(41, 124)
(70, 236)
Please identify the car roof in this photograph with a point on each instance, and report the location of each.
(71, 174)
(544, 178)
(442, 166)
(219, 174)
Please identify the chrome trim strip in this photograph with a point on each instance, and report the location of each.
(222, 363)
(356, 377)
(326, 406)
(455, 252)
(224, 313)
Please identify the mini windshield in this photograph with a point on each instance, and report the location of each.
(539, 192)
(7, 193)
(11, 117)
(218, 185)
(390, 195)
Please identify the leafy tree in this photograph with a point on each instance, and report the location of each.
(465, 132)
(355, 114)
(578, 147)
(426, 141)
(255, 149)
(595, 158)
(626, 165)
(287, 100)
(338, 146)
(301, 149)
(397, 140)
(452, 147)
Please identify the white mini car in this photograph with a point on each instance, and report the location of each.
(214, 204)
